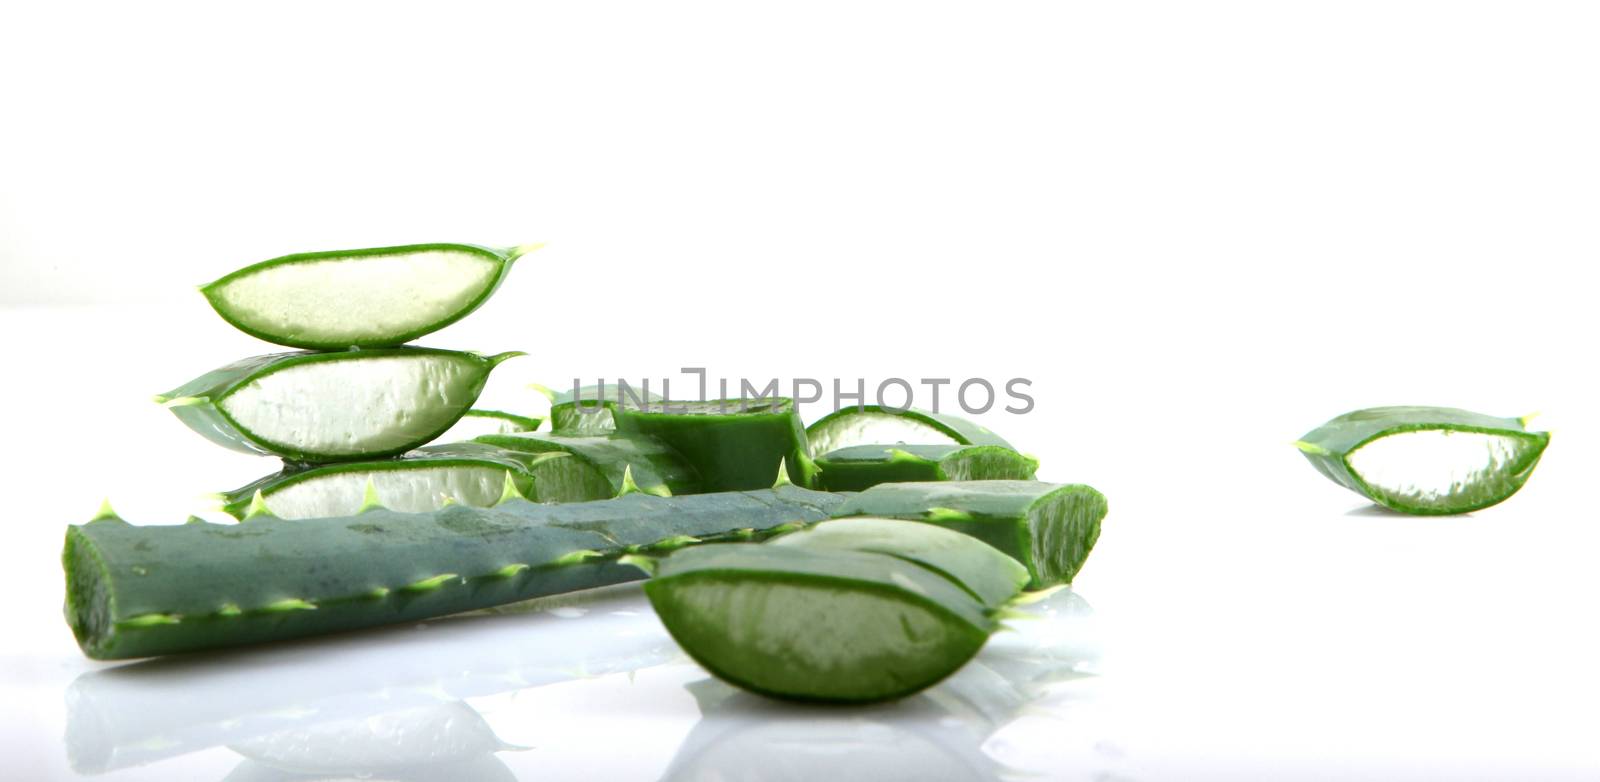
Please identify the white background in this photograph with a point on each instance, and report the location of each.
(1201, 229)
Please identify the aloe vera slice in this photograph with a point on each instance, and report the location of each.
(324, 407)
(477, 423)
(1426, 460)
(859, 467)
(877, 425)
(378, 297)
(136, 591)
(627, 462)
(426, 479)
(732, 444)
(835, 619)
(1049, 527)
(591, 410)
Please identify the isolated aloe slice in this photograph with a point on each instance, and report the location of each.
(870, 611)
(732, 444)
(1048, 527)
(376, 297)
(877, 425)
(859, 467)
(1426, 460)
(426, 479)
(628, 462)
(137, 591)
(591, 409)
(477, 423)
(324, 407)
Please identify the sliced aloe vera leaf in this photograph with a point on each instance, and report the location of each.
(1049, 527)
(324, 407)
(822, 620)
(376, 297)
(137, 591)
(426, 479)
(591, 409)
(732, 444)
(875, 425)
(1426, 460)
(859, 467)
(992, 577)
(476, 423)
(629, 462)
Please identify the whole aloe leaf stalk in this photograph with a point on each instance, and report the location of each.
(860, 467)
(326, 407)
(1426, 460)
(1048, 527)
(377, 297)
(852, 611)
(138, 591)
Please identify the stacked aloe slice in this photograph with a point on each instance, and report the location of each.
(899, 539)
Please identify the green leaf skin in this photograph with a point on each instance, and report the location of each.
(730, 450)
(201, 402)
(1049, 527)
(863, 611)
(275, 325)
(475, 423)
(591, 409)
(654, 467)
(139, 591)
(1329, 448)
(860, 467)
(849, 427)
(541, 480)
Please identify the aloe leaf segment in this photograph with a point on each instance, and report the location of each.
(1050, 528)
(629, 462)
(1426, 460)
(135, 591)
(860, 467)
(323, 407)
(377, 297)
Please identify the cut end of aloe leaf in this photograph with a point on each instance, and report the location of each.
(1442, 471)
(358, 298)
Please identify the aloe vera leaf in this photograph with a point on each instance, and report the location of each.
(378, 297)
(1426, 460)
(834, 619)
(875, 425)
(992, 577)
(732, 444)
(590, 410)
(1049, 527)
(325, 407)
(423, 480)
(476, 423)
(138, 591)
(860, 467)
(629, 462)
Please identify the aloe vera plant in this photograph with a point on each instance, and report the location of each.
(136, 591)
(732, 444)
(858, 467)
(476, 423)
(624, 463)
(1049, 527)
(1426, 460)
(323, 407)
(855, 611)
(377, 297)
(426, 479)
(591, 410)
(878, 425)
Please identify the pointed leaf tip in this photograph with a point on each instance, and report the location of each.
(523, 249)
(1311, 448)
(1529, 417)
(500, 358)
(783, 474)
(544, 391)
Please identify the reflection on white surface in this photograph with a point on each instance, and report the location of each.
(405, 703)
